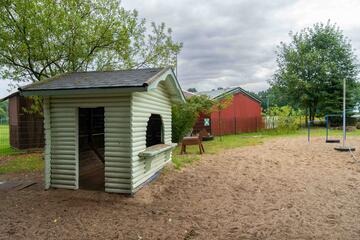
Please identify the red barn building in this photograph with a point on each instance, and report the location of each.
(242, 115)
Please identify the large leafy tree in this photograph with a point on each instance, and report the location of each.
(3, 110)
(312, 67)
(270, 98)
(184, 115)
(43, 38)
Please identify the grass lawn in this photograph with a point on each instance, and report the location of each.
(214, 146)
(15, 161)
(5, 148)
(22, 163)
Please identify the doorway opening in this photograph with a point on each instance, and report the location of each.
(91, 148)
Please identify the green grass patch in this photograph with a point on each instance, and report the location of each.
(5, 148)
(22, 163)
(181, 160)
(212, 147)
(314, 132)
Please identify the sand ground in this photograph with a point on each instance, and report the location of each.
(283, 189)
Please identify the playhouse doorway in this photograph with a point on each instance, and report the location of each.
(91, 148)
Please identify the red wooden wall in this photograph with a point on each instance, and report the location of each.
(26, 129)
(243, 115)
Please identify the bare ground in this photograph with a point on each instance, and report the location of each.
(283, 189)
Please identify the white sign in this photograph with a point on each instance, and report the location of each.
(206, 122)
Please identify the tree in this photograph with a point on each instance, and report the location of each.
(184, 115)
(270, 98)
(287, 118)
(3, 109)
(43, 38)
(311, 70)
(192, 90)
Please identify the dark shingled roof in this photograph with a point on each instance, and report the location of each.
(105, 79)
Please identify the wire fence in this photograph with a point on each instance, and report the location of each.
(4, 136)
(20, 135)
(271, 122)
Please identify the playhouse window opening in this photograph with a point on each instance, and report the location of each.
(154, 130)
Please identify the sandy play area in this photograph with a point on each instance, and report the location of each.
(283, 189)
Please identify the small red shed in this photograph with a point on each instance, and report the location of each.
(242, 115)
(26, 130)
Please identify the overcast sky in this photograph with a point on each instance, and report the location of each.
(229, 43)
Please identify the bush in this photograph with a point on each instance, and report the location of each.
(184, 115)
(337, 121)
(288, 119)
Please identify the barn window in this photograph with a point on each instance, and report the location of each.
(154, 130)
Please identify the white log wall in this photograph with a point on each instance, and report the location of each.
(63, 147)
(143, 104)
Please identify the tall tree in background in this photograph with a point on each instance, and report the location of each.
(192, 90)
(43, 38)
(3, 110)
(270, 98)
(311, 70)
(184, 115)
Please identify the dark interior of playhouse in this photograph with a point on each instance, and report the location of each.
(91, 148)
(154, 130)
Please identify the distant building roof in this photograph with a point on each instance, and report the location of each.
(97, 79)
(220, 93)
(188, 94)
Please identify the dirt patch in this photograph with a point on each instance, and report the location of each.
(283, 189)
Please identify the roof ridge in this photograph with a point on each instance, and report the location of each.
(119, 70)
(88, 79)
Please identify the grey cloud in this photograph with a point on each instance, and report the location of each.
(228, 42)
(225, 42)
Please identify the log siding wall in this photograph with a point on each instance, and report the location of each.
(63, 145)
(143, 104)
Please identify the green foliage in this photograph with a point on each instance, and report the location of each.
(288, 119)
(43, 38)
(3, 109)
(180, 161)
(270, 98)
(223, 103)
(184, 115)
(311, 70)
